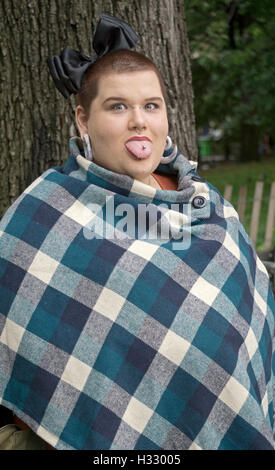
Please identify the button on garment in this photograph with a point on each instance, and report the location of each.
(198, 202)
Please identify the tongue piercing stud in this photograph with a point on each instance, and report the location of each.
(143, 147)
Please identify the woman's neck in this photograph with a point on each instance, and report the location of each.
(151, 181)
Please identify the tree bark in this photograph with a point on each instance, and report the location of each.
(36, 121)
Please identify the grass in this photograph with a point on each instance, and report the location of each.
(237, 174)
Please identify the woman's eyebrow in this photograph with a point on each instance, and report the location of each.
(154, 98)
(119, 98)
(114, 98)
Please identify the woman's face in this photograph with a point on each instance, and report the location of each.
(127, 105)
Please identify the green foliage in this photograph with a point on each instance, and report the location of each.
(233, 62)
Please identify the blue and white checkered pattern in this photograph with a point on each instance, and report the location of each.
(110, 343)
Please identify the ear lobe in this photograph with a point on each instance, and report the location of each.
(81, 120)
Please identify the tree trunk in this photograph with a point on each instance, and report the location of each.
(36, 121)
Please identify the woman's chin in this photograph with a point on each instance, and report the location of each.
(136, 168)
(141, 168)
(140, 172)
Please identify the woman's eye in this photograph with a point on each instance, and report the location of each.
(151, 106)
(118, 107)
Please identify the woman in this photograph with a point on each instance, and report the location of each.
(150, 330)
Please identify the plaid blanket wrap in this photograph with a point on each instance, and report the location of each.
(130, 343)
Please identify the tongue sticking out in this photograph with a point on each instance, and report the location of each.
(139, 148)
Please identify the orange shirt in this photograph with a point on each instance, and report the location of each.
(166, 181)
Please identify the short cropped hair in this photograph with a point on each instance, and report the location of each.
(122, 61)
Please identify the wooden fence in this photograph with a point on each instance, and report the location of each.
(267, 255)
(256, 210)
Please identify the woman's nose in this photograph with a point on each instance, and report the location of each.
(137, 119)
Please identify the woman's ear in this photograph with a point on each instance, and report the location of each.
(81, 120)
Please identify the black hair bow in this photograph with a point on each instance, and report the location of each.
(68, 68)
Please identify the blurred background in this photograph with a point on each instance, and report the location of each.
(232, 47)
